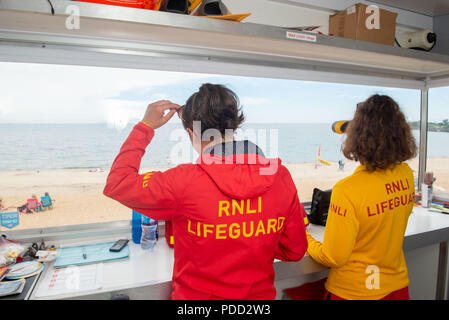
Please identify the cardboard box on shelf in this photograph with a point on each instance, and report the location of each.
(356, 22)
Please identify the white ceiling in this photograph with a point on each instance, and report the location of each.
(431, 8)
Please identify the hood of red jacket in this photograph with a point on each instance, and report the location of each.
(239, 169)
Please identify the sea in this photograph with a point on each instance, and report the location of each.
(75, 146)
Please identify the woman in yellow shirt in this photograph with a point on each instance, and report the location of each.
(369, 210)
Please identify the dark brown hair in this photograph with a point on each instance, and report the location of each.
(216, 106)
(379, 136)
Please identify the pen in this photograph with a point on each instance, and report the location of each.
(440, 208)
(438, 211)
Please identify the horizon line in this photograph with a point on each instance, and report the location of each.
(132, 122)
(106, 123)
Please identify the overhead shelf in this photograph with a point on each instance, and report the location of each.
(433, 8)
(142, 33)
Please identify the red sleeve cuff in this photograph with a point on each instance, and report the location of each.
(146, 129)
(145, 123)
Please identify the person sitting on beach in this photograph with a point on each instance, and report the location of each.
(34, 204)
(341, 165)
(233, 212)
(47, 201)
(369, 210)
(2, 207)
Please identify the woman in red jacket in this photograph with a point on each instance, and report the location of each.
(233, 212)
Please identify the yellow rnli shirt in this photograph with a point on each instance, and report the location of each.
(364, 233)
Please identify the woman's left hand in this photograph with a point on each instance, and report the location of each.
(154, 116)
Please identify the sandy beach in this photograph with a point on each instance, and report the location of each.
(79, 197)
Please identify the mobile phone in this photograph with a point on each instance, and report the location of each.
(119, 245)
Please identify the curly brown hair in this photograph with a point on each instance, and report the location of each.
(379, 136)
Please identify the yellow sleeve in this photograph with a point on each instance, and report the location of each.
(340, 234)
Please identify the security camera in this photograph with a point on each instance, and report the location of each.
(422, 40)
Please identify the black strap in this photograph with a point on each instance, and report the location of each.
(236, 148)
(52, 9)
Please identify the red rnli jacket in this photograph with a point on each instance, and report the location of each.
(233, 213)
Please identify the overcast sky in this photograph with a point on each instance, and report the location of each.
(40, 93)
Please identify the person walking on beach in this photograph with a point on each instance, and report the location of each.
(233, 212)
(369, 210)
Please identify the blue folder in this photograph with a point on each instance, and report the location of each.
(90, 253)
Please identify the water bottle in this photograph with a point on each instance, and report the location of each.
(136, 224)
(426, 195)
(149, 233)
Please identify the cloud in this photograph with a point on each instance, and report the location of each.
(253, 101)
(160, 96)
(41, 93)
(119, 113)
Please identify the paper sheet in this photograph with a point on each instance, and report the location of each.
(70, 280)
(90, 253)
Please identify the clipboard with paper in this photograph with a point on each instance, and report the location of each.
(87, 254)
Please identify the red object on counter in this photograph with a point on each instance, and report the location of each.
(122, 3)
(141, 4)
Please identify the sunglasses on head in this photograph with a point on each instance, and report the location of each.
(179, 111)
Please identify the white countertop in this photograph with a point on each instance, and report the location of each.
(422, 220)
(145, 268)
